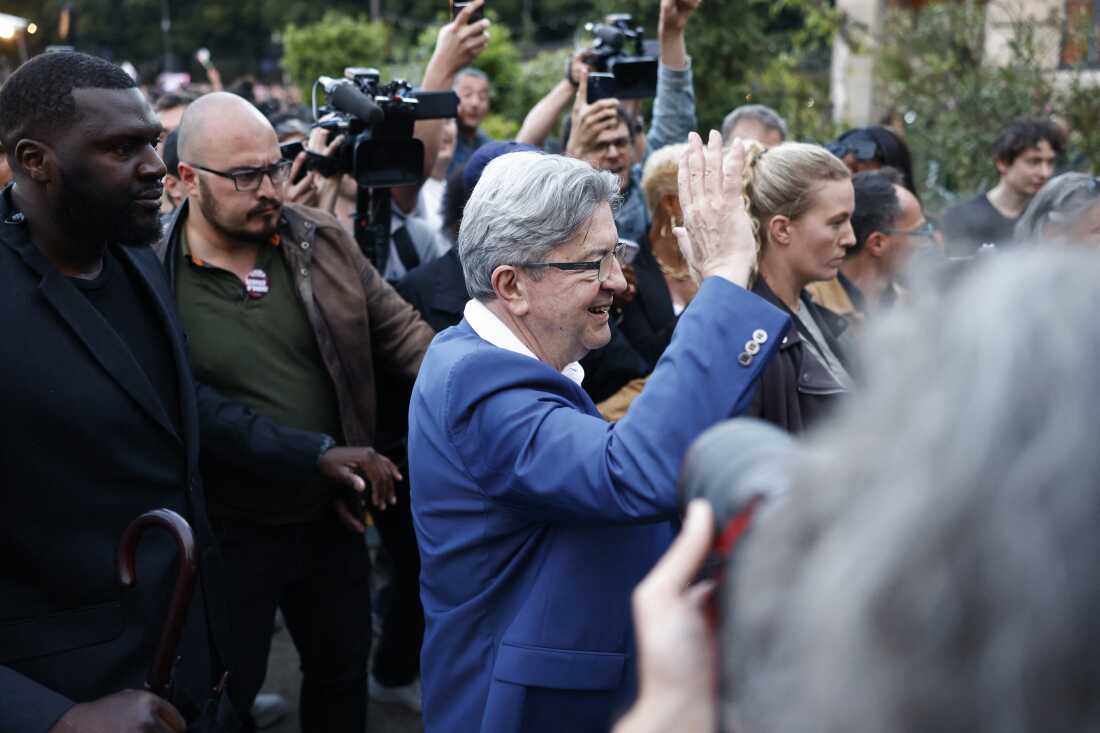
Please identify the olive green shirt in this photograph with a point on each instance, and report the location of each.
(263, 353)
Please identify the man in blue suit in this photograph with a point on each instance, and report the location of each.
(536, 518)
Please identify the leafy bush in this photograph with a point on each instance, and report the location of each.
(954, 100)
(773, 52)
(331, 44)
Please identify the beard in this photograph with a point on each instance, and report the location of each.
(216, 217)
(103, 216)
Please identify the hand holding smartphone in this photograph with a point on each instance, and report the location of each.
(457, 8)
(601, 85)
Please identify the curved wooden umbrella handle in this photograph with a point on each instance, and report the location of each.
(160, 673)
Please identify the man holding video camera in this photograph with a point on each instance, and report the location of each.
(604, 133)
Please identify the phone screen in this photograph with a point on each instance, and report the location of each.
(600, 86)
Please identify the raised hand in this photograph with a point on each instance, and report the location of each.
(717, 236)
(675, 14)
(460, 41)
(589, 120)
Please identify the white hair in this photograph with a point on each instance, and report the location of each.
(760, 113)
(525, 206)
(934, 565)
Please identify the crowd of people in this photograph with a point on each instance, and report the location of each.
(508, 388)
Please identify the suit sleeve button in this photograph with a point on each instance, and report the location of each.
(752, 347)
(760, 336)
(744, 359)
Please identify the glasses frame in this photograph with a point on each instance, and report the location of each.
(602, 272)
(927, 231)
(282, 169)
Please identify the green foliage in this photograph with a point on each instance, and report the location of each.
(1078, 104)
(759, 51)
(934, 71)
(516, 84)
(331, 44)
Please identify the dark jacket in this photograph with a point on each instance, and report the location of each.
(796, 390)
(648, 321)
(437, 290)
(357, 316)
(86, 447)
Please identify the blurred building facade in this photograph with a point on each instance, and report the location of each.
(1070, 41)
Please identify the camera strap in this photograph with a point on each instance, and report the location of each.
(405, 249)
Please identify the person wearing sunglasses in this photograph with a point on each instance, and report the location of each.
(536, 517)
(1066, 210)
(889, 227)
(873, 148)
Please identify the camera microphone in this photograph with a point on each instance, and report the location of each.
(741, 467)
(345, 96)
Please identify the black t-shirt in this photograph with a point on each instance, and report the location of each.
(125, 304)
(973, 223)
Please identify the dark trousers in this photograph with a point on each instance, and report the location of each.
(397, 660)
(318, 573)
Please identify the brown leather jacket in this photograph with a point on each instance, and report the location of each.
(355, 314)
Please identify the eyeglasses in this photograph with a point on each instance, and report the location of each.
(602, 266)
(250, 179)
(926, 230)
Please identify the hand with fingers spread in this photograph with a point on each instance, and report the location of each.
(677, 666)
(717, 237)
(589, 121)
(129, 711)
(349, 467)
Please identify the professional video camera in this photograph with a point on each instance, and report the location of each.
(379, 150)
(618, 48)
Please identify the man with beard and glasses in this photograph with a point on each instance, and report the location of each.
(285, 314)
(102, 421)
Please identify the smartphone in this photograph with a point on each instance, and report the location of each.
(477, 15)
(601, 85)
(290, 151)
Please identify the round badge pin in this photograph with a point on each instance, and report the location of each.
(255, 284)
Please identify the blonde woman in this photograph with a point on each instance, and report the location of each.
(663, 284)
(800, 199)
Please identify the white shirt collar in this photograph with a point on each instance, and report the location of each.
(490, 328)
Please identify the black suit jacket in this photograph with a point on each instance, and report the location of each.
(649, 320)
(85, 448)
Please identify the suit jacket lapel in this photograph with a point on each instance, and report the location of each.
(96, 334)
(152, 271)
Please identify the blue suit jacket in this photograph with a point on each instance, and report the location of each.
(536, 517)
